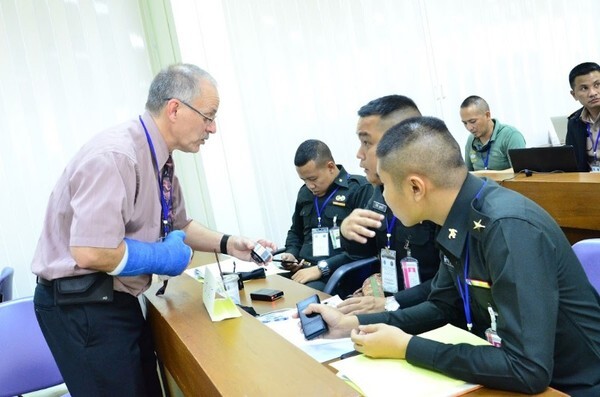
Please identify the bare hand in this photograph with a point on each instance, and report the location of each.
(240, 247)
(359, 225)
(361, 305)
(292, 267)
(339, 324)
(303, 276)
(380, 341)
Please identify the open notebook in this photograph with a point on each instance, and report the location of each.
(373, 377)
(544, 159)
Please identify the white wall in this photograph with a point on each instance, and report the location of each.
(67, 70)
(290, 70)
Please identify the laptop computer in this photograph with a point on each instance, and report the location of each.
(544, 159)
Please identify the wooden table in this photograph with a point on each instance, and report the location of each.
(234, 357)
(570, 198)
(240, 356)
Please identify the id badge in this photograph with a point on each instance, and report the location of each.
(595, 166)
(334, 234)
(410, 271)
(389, 276)
(493, 337)
(320, 241)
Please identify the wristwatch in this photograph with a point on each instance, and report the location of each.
(391, 304)
(323, 267)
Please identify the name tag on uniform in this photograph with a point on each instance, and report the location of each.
(389, 273)
(334, 234)
(320, 241)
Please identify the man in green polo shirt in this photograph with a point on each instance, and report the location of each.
(487, 147)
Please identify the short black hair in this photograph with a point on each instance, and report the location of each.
(386, 105)
(476, 101)
(312, 149)
(422, 145)
(581, 70)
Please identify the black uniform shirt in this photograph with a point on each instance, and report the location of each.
(299, 237)
(421, 242)
(548, 312)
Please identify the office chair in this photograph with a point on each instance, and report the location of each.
(588, 252)
(349, 277)
(6, 277)
(27, 364)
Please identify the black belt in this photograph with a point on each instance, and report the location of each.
(43, 281)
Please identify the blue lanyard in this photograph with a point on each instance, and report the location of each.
(319, 210)
(487, 157)
(165, 205)
(594, 144)
(389, 227)
(464, 288)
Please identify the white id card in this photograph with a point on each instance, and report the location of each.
(389, 276)
(595, 166)
(334, 234)
(410, 271)
(320, 241)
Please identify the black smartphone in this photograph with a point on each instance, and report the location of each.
(313, 325)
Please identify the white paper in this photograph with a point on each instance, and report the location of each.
(321, 349)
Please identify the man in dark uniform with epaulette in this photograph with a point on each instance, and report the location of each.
(313, 244)
(507, 269)
(407, 250)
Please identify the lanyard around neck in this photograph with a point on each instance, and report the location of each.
(389, 226)
(165, 204)
(594, 144)
(487, 156)
(463, 288)
(319, 210)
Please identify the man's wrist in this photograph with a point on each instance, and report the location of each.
(223, 244)
(324, 268)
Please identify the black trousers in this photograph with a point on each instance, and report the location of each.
(102, 349)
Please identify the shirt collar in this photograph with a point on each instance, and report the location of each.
(341, 179)
(453, 233)
(160, 146)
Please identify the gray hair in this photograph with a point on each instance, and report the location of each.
(181, 81)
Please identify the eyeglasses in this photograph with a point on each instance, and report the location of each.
(207, 119)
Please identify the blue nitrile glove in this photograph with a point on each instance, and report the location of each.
(169, 257)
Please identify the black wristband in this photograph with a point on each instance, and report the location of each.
(224, 240)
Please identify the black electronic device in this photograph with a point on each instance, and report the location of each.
(266, 294)
(313, 325)
(543, 159)
(260, 254)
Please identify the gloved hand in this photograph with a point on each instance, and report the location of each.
(169, 257)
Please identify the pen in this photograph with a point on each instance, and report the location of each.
(349, 354)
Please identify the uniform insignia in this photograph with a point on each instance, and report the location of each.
(340, 197)
(339, 204)
(452, 233)
(477, 225)
(379, 206)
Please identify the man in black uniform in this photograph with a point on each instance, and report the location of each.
(326, 198)
(508, 269)
(365, 231)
